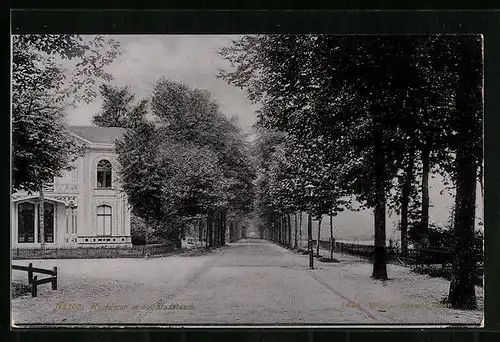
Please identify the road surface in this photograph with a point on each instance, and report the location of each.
(249, 282)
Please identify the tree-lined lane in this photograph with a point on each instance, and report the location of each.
(249, 282)
(257, 282)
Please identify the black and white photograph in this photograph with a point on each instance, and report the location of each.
(247, 180)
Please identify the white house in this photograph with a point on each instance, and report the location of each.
(85, 206)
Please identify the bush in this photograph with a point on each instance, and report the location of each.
(433, 271)
(442, 238)
(20, 289)
(94, 252)
(138, 232)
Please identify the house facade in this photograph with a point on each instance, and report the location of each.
(84, 207)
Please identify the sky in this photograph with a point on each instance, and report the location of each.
(192, 60)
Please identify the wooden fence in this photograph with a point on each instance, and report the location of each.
(22, 253)
(34, 281)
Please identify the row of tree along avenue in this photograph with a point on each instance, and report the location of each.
(363, 119)
(187, 168)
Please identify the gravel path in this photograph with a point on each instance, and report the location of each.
(250, 282)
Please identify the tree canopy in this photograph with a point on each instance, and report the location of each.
(117, 109)
(192, 161)
(41, 89)
(364, 116)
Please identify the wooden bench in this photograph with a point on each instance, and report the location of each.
(34, 281)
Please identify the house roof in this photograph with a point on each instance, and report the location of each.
(98, 135)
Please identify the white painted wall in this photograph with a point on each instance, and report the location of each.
(82, 182)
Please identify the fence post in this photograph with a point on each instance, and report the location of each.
(30, 273)
(33, 286)
(54, 281)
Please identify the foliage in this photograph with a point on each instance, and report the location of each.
(375, 103)
(42, 149)
(196, 182)
(117, 109)
(138, 230)
(20, 289)
(191, 162)
(189, 116)
(141, 173)
(36, 65)
(41, 88)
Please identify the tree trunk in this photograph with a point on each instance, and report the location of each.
(278, 221)
(462, 292)
(379, 257)
(405, 200)
(296, 229)
(285, 230)
(273, 231)
(217, 229)
(300, 229)
(481, 178)
(41, 219)
(210, 228)
(469, 105)
(319, 236)
(224, 226)
(309, 241)
(206, 230)
(200, 230)
(424, 223)
(331, 235)
(214, 229)
(289, 230)
(231, 231)
(278, 228)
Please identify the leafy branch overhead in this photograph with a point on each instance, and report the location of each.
(41, 89)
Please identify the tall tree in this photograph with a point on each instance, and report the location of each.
(468, 144)
(197, 165)
(117, 109)
(38, 158)
(41, 88)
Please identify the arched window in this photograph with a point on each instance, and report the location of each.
(104, 220)
(48, 219)
(104, 174)
(26, 222)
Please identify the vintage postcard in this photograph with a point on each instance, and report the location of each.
(247, 180)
